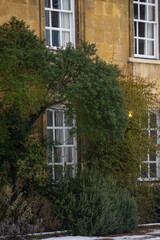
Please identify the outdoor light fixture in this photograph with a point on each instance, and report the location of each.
(130, 114)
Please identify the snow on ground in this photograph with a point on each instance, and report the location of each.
(153, 235)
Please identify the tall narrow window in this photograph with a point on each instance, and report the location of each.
(62, 155)
(150, 165)
(146, 28)
(59, 23)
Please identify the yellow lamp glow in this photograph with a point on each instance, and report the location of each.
(130, 114)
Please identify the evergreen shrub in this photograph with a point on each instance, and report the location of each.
(91, 205)
(148, 201)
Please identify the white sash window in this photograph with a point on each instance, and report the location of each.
(146, 28)
(59, 23)
(62, 154)
(150, 166)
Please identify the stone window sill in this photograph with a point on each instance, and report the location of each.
(145, 61)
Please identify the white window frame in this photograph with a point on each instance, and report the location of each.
(155, 40)
(148, 161)
(51, 154)
(71, 30)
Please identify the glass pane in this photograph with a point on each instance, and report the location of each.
(50, 135)
(47, 3)
(68, 154)
(56, 4)
(151, 1)
(135, 29)
(150, 48)
(66, 5)
(58, 155)
(150, 30)
(65, 20)
(69, 171)
(143, 12)
(153, 170)
(58, 116)
(49, 155)
(55, 19)
(47, 18)
(153, 123)
(135, 46)
(151, 13)
(49, 119)
(141, 29)
(68, 138)
(58, 170)
(153, 134)
(47, 37)
(65, 38)
(143, 0)
(142, 47)
(152, 155)
(135, 11)
(68, 122)
(59, 136)
(55, 38)
(144, 170)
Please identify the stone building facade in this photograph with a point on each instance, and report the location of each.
(126, 32)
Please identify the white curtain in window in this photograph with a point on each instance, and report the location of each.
(66, 4)
(65, 38)
(65, 21)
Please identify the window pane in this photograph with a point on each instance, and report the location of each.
(135, 11)
(68, 154)
(65, 21)
(68, 138)
(143, 12)
(65, 38)
(150, 30)
(142, 47)
(150, 48)
(152, 155)
(69, 171)
(143, 0)
(58, 170)
(58, 155)
(141, 29)
(49, 119)
(135, 46)
(59, 139)
(153, 170)
(66, 5)
(50, 135)
(135, 29)
(151, 1)
(153, 134)
(55, 19)
(153, 123)
(55, 38)
(47, 3)
(49, 155)
(47, 37)
(47, 18)
(58, 116)
(56, 4)
(68, 122)
(144, 170)
(151, 13)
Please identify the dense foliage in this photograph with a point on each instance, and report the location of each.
(33, 78)
(91, 205)
(122, 159)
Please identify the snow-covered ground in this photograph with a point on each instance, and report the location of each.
(153, 235)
